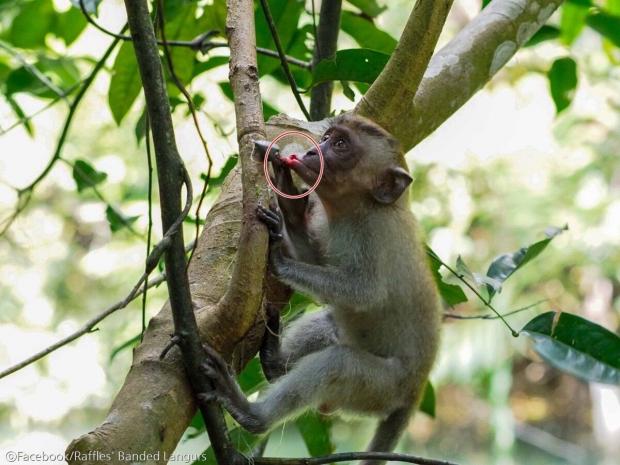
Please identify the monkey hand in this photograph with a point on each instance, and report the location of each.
(273, 220)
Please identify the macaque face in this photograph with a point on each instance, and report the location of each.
(342, 150)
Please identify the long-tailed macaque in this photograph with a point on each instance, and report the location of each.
(353, 246)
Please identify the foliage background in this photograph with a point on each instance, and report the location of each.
(490, 180)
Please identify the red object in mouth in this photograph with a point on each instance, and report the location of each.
(291, 160)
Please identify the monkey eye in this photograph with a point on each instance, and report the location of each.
(340, 143)
(325, 137)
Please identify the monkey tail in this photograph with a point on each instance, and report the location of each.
(388, 432)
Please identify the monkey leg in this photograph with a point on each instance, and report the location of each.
(309, 333)
(334, 377)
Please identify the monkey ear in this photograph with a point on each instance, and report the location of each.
(391, 185)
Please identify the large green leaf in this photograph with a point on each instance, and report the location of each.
(286, 14)
(577, 346)
(366, 34)
(613, 7)
(34, 20)
(563, 82)
(358, 64)
(505, 265)
(607, 25)
(452, 294)
(61, 72)
(125, 84)
(315, 430)
(117, 220)
(69, 25)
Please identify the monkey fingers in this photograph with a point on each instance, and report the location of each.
(260, 149)
(273, 220)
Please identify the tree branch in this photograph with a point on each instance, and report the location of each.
(202, 43)
(325, 48)
(461, 68)
(394, 89)
(350, 456)
(172, 175)
(285, 68)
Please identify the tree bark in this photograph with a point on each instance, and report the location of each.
(458, 70)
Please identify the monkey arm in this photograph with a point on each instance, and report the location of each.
(340, 287)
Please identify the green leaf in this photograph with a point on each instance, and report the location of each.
(251, 378)
(243, 442)
(505, 265)
(358, 64)
(576, 346)
(62, 72)
(211, 63)
(572, 22)
(218, 180)
(544, 34)
(427, 404)
(563, 82)
(366, 34)
(315, 430)
(613, 7)
(368, 7)
(477, 279)
(117, 220)
(133, 342)
(452, 294)
(69, 25)
(607, 25)
(125, 83)
(19, 112)
(85, 175)
(34, 20)
(286, 14)
(347, 91)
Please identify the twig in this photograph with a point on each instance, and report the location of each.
(200, 44)
(47, 106)
(325, 46)
(285, 68)
(457, 316)
(149, 232)
(171, 175)
(192, 108)
(34, 71)
(487, 304)
(25, 194)
(349, 456)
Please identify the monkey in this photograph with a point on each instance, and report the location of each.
(352, 245)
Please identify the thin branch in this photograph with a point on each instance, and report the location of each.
(26, 119)
(192, 108)
(149, 232)
(394, 89)
(349, 456)
(201, 44)
(458, 316)
(171, 175)
(285, 68)
(486, 302)
(25, 194)
(325, 46)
